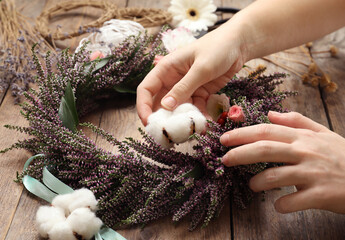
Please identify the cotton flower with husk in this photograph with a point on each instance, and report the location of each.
(195, 15)
(47, 217)
(84, 222)
(216, 105)
(80, 198)
(155, 127)
(177, 38)
(63, 230)
(169, 127)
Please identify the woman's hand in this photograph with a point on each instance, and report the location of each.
(314, 160)
(191, 74)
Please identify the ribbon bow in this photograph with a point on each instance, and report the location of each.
(51, 188)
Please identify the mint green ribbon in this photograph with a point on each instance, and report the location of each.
(51, 188)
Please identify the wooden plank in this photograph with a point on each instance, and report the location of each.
(124, 122)
(260, 220)
(20, 222)
(335, 67)
(10, 163)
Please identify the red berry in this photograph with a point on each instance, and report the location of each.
(221, 121)
(224, 115)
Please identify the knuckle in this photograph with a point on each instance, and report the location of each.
(319, 198)
(181, 88)
(295, 116)
(263, 130)
(270, 176)
(263, 147)
(306, 133)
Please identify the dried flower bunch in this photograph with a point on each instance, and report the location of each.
(16, 38)
(131, 189)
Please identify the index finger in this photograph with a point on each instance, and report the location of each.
(258, 132)
(146, 91)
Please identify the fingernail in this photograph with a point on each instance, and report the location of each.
(223, 138)
(274, 113)
(169, 102)
(225, 160)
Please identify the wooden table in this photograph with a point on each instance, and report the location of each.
(259, 221)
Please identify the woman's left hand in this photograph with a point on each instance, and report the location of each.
(314, 160)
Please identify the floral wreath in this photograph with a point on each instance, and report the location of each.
(129, 186)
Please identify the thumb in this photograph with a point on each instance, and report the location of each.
(184, 89)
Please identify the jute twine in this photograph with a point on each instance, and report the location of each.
(148, 17)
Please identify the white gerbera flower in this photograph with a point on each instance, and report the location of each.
(177, 38)
(196, 15)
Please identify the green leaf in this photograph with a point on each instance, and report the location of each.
(196, 173)
(124, 89)
(100, 63)
(68, 110)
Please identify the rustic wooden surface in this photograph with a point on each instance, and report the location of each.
(259, 221)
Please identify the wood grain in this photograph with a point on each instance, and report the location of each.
(118, 116)
(10, 163)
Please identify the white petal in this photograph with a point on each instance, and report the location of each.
(216, 104)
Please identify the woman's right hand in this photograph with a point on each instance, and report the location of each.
(192, 73)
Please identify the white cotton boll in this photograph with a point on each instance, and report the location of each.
(159, 116)
(184, 108)
(47, 217)
(84, 222)
(155, 127)
(83, 198)
(61, 231)
(157, 132)
(179, 127)
(63, 201)
(199, 121)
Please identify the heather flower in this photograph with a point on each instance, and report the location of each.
(236, 114)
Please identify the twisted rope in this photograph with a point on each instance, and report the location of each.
(148, 17)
